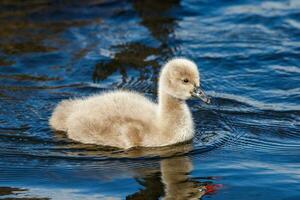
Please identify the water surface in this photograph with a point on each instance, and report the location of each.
(247, 141)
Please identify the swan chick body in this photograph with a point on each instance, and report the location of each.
(126, 119)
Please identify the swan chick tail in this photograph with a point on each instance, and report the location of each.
(60, 115)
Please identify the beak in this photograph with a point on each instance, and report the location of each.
(198, 92)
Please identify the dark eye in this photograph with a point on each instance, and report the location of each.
(185, 80)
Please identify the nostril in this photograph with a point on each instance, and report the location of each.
(195, 90)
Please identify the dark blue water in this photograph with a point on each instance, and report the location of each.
(247, 143)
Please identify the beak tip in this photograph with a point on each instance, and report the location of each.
(197, 92)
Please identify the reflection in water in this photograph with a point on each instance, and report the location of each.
(155, 15)
(156, 18)
(36, 26)
(51, 50)
(79, 150)
(10, 190)
(171, 182)
(15, 193)
(178, 185)
(162, 172)
(133, 55)
(27, 35)
(153, 187)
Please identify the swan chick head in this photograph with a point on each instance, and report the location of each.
(180, 79)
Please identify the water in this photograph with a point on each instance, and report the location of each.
(247, 141)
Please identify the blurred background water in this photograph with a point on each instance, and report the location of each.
(247, 141)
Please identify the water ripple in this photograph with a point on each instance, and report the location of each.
(248, 55)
